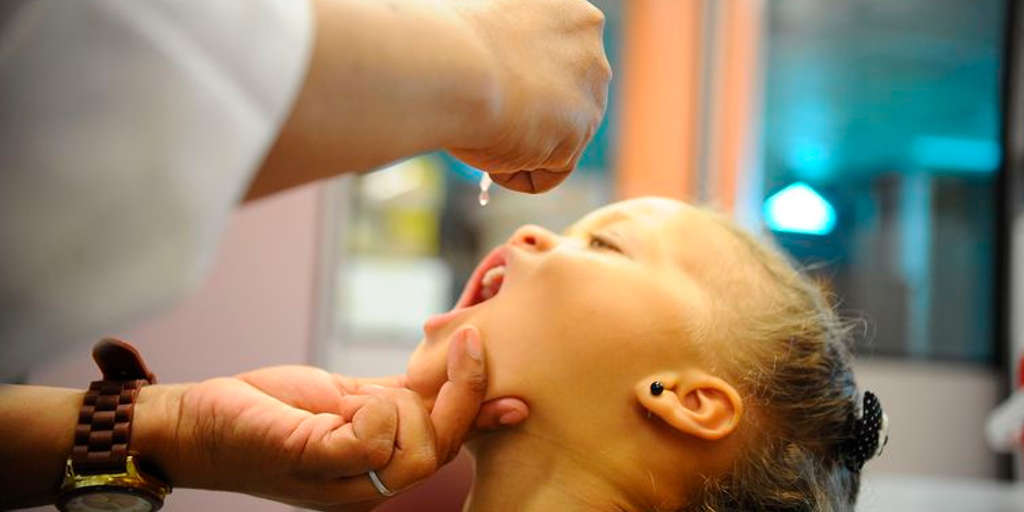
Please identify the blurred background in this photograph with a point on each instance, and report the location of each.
(875, 141)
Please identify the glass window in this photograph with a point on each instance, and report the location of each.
(881, 148)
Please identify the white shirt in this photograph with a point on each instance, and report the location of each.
(129, 130)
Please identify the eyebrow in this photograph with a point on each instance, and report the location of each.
(605, 219)
(615, 216)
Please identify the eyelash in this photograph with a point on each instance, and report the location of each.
(601, 243)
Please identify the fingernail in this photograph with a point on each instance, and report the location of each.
(511, 417)
(473, 346)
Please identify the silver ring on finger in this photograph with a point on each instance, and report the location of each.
(381, 488)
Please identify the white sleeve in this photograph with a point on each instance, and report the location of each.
(128, 132)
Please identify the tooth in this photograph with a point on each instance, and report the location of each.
(487, 284)
(492, 274)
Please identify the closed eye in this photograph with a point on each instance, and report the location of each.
(601, 243)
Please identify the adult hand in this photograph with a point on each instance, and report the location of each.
(303, 436)
(430, 437)
(552, 80)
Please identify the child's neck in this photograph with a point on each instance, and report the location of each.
(523, 473)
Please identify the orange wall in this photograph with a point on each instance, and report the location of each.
(738, 37)
(661, 141)
(659, 98)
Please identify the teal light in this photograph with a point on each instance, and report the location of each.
(809, 159)
(798, 208)
(956, 153)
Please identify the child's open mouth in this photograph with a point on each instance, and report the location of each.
(486, 280)
(484, 284)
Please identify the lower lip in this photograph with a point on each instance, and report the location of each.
(437, 321)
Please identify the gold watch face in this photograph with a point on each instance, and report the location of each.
(108, 501)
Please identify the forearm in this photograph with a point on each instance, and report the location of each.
(37, 426)
(386, 80)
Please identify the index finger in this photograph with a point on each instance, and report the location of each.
(459, 399)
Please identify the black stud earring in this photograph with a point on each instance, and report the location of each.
(657, 387)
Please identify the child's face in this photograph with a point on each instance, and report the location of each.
(579, 317)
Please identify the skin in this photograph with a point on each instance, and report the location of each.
(582, 325)
(514, 87)
(294, 434)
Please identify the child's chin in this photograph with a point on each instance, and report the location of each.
(424, 376)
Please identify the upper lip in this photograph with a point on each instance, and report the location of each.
(496, 258)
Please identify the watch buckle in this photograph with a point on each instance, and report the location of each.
(131, 477)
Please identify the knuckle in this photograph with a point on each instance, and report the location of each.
(420, 464)
(476, 382)
(423, 464)
(594, 14)
(377, 454)
(408, 395)
(380, 404)
(570, 165)
(344, 383)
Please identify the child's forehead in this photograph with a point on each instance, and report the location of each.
(644, 209)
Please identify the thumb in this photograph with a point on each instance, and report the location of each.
(459, 399)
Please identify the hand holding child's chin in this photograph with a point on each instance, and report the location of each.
(427, 373)
(306, 436)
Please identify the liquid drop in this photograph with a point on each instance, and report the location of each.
(485, 183)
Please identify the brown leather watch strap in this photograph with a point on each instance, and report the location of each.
(104, 428)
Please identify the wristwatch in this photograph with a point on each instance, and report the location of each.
(103, 473)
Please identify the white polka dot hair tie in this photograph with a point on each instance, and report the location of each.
(869, 433)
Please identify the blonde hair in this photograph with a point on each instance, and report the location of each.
(792, 363)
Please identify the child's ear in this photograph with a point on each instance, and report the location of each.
(693, 402)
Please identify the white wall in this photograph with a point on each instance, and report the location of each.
(937, 415)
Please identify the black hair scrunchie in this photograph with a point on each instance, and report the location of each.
(868, 434)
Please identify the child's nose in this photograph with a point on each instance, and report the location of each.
(534, 238)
